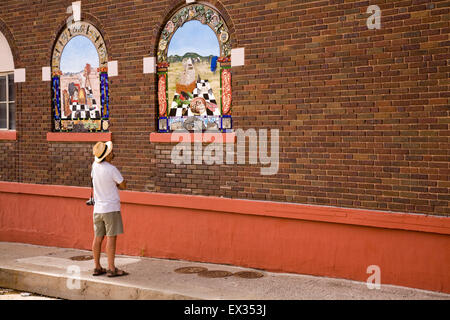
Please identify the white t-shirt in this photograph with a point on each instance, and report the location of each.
(105, 178)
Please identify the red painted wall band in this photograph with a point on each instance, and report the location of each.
(368, 218)
(411, 250)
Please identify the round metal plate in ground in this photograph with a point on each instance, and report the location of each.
(82, 258)
(190, 270)
(215, 274)
(249, 274)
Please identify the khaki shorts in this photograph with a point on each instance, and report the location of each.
(109, 224)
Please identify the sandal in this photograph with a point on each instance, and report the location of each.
(116, 273)
(99, 272)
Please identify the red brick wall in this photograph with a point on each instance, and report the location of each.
(363, 114)
(8, 159)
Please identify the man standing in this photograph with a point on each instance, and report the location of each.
(106, 180)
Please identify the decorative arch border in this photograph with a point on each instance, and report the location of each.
(96, 124)
(211, 17)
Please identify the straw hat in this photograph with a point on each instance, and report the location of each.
(101, 150)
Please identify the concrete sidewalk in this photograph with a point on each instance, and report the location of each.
(51, 272)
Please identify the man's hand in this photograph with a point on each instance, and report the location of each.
(123, 185)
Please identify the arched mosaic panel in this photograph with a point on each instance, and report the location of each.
(80, 94)
(194, 77)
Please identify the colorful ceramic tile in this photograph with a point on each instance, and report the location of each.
(57, 125)
(104, 88)
(105, 125)
(162, 94)
(191, 39)
(80, 81)
(226, 123)
(163, 124)
(226, 91)
(55, 98)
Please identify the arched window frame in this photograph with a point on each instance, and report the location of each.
(7, 72)
(212, 18)
(86, 29)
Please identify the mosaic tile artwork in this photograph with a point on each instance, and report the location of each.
(194, 76)
(80, 101)
(196, 123)
(200, 103)
(162, 94)
(226, 91)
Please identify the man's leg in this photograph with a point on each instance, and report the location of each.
(111, 251)
(114, 227)
(97, 249)
(99, 235)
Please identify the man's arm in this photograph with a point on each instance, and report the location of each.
(118, 177)
(123, 185)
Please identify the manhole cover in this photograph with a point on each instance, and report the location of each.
(190, 270)
(249, 274)
(215, 274)
(82, 258)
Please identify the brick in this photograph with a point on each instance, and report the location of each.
(359, 111)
